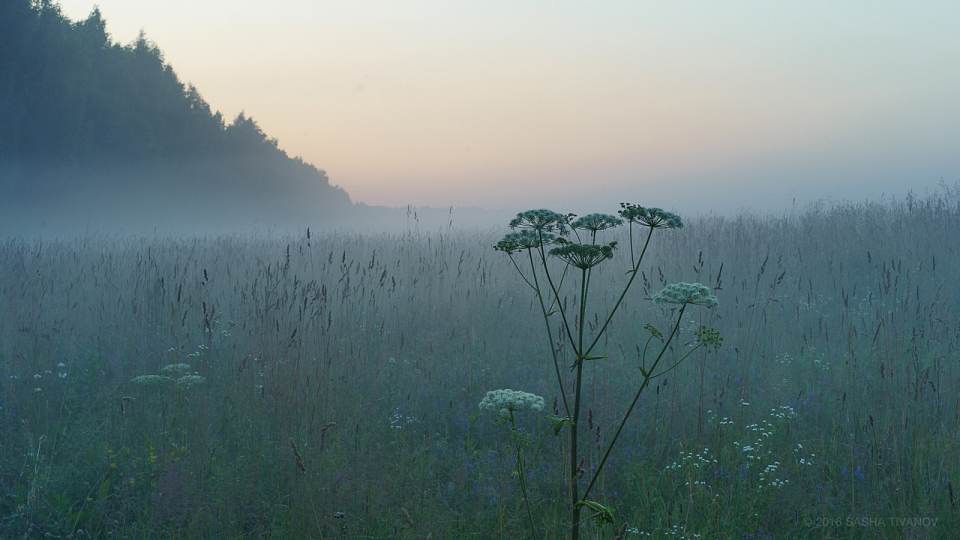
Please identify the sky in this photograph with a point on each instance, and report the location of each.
(694, 105)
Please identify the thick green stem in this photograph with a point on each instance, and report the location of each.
(522, 275)
(575, 427)
(633, 274)
(522, 475)
(556, 294)
(546, 320)
(647, 377)
(677, 363)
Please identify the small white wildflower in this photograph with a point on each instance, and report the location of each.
(398, 420)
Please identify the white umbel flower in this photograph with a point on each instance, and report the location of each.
(697, 294)
(151, 380)
(506, 401)
(190, 380)
(175, 369)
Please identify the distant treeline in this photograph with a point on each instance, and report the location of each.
(89, 125)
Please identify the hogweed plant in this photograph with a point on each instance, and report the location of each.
(506, 404)
(542, 238)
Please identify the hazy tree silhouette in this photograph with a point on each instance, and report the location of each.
(82, 113)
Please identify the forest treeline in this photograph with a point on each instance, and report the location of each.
(89, 126)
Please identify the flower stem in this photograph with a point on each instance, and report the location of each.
(522, 475)
(647, 377)
(546, 320)
(633, 275)
(574, 428)
(556, 294)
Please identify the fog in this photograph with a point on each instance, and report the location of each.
(715, 297)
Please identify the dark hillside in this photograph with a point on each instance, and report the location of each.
(89, 127)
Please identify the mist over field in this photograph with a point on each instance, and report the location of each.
(628, 271)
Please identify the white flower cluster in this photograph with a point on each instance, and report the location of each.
(151, 380)
(506, 401)
(686, 293)
(806, 461)
(398, 420)
(783, 412)
(596, 222)
(188, 381)
(175, 369)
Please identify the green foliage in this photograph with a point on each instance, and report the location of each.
(558, 423)
(710, 338)
(585, 256)
(828, 412)
(85, 116)
(653, 330)
(599, 513)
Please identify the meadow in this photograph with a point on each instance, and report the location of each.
(329, 384)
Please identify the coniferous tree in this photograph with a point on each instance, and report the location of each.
(82, 114)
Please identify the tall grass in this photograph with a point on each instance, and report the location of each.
(342, 376)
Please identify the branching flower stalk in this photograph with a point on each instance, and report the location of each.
(506, 404)
(519, 440)
(535, 230)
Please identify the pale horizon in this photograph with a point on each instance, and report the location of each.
(493, 105)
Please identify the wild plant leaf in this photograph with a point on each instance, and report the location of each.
(601, 514)
(654, 331)
(558, 423)
(709, 337)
